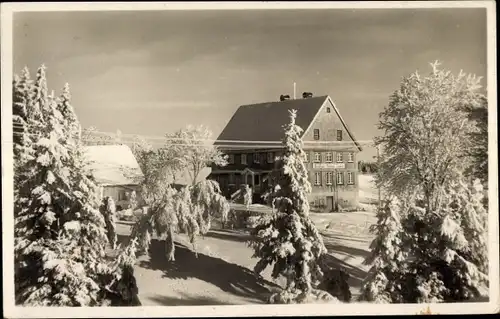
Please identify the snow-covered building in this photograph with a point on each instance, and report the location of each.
(116, 171)
(252, 140)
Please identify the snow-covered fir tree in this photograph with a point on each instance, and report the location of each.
(289, 240)
(23, 92)
(60, 236)
(430, 243)
(479, 149)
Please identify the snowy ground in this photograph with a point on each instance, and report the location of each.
(222, 273)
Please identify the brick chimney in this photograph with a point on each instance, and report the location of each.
(284, 97)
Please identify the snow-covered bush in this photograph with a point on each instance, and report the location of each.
(108, 211)
(246, 193)
(132, 201)
(189, 210)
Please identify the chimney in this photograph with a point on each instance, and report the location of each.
(284, 97)
(306, 95)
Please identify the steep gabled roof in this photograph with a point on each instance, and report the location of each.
(351, 135)
(113, 164)
(264, 121)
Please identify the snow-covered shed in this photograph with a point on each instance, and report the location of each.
(116, 170)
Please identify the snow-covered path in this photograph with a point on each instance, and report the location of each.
(222, 273)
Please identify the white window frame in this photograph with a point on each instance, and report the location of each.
(329, 178)
(270, 157)
(256, 158)
(230, 158)
(317, 178)
(350, 157)
(340, 178)
(340, 157)
(317, 157)
(350, 178)
(328, 157)
(243, 159)
(307, 157)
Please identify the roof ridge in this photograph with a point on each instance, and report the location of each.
(285, 101)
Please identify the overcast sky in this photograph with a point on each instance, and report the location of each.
(157, 71)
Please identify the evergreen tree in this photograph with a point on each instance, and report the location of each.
(59, 234)
(430, 243)
(70, 122)
(479, 149)
(22, 98)
(289, 239)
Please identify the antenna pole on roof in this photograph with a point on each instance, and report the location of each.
(294, 89)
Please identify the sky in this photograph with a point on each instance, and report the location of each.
(152, 72)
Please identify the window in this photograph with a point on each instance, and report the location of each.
(317, 178)
(350, 157)
(231, 159)
(256, 158)
(329, 157)
(231, 179)
(270, 157)
(244, 159)
(339, 135)
(257, 180)
(329, 178)
(339, 158)
(307, 157)
(122, 195)
(350, 178)
(340, 178)
(317, 157)
(328, 110)
(316, 134)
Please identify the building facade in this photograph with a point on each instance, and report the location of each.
(252, 141)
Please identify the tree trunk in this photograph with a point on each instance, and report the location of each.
(170, 245)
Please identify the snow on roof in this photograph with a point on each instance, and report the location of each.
(113, 165)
